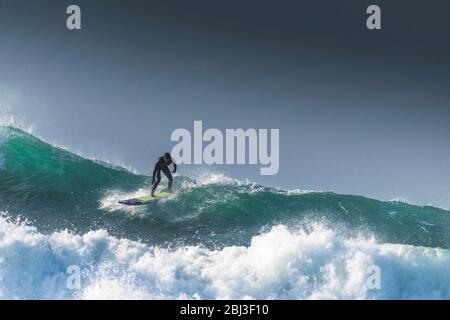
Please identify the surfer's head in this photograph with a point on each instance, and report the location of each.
(167, 157)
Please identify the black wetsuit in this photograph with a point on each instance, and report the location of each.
(162, 165)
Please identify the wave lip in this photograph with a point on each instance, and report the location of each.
(278, 264)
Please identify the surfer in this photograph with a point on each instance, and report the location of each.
(163, 165)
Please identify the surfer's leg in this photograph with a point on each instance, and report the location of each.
(157, 181)
(167, 173)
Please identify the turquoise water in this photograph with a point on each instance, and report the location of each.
(49, 194)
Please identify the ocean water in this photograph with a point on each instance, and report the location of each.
(216, 238)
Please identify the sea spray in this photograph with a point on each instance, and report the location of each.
(278, 264)
(217, 237)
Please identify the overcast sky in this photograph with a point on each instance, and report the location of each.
(359, 111)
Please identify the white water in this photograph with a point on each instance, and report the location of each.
(110, 202)
(279, 264)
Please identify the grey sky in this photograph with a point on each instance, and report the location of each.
(359, 112)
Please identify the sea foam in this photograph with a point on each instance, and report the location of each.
(278, 264)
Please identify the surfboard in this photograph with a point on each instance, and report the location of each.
(145, 199)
